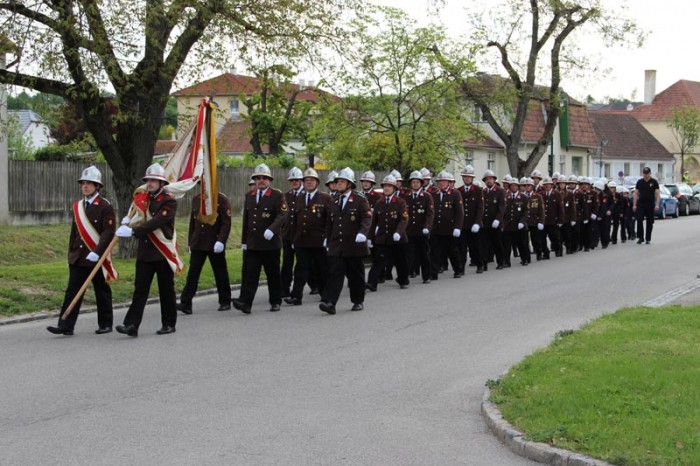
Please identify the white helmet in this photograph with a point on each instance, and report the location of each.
(332, 175)
(599, 185)
(555, 175)
(311, 173)
(468, 171)
(612, 185)
(445, 176)
(536, 174)
(514, 181)
(547, 180)
(396, 175)
(368, 176)
(346, 174)
(415, 175)
(92, 174)
(262, 170)
(624, 189)
(584, 180)
(573, 179)
(527, 181)
(489, 174)
(507, 179)
(295, 174)
(390, 180)
(251, 181)
(155, 172)
(426, 173)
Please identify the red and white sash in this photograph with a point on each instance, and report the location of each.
(167, 247)
(91, 238)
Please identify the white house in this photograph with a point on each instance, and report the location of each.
(33, 128)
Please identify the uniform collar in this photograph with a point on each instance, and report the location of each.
(91, 199)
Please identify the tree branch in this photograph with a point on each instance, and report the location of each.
(48, 86)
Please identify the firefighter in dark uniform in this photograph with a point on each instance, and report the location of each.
(628, 215)
(447, 226)
(264, 214)
(310, 221)
(617, 213)
(589, 207)
(515, 224)
(287, 273)
(535, 218)
(208, 242)
(388, 235)
(553, 218)
(494, 208)
(156, 255)
(421, 213)
(570, 227)
(330, 183)
(473, 201)
(93, 212)
(427, 180)
(348, 227)
(368, 181)
(604, 213)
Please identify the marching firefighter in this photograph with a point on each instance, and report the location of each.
(514, 224)
(447, 226)
(494, 208)
(473, 201)
(535, 219)
(421, 213)
(553, 218)
(294, 178)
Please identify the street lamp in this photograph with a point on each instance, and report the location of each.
(603, 143)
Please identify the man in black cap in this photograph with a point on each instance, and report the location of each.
(645, 202)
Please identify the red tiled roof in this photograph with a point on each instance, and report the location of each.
(627, 138)
(235, 84)
(679, 94)
(581, 133)
(482, 142)
(234, 138)
(164, 147)
(534, 122)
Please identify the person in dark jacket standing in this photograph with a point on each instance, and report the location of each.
(347, 231)
(494, 208)
(421, 213)
(473, 202)
(553, 218)
(645, 201)
(294, 178)
(208, 241)
(447, 226)
(617, 214)
(515, 224)
(264, 214)
(535, 218)
(91, 232)
(156, 255)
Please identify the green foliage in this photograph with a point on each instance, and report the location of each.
(19, 146)
(45, 105)
(166, 132)
(685, 125)
(52, 153)
(250, 161)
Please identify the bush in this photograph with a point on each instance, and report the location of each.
(52, 153)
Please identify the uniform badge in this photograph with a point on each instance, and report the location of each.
(228, 212)
(519, 208)
(352, 217)
(165, 212)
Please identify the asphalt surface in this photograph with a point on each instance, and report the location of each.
(399, 383)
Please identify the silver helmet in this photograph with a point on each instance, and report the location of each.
(332, 175)
(444, 176)
(547, 180)
(573, 179)
(426, 173)
(612, 185)
(390, 180)
(346, 174)
(415, 175)
(468, 171)
(489, 174)
(311, 173)
(368, 176)
(397, 175)
(536, 174)
(155, 172)
(92, 174)
(262, 170)
(295, 174)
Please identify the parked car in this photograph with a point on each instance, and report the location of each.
(669, 205)
(688, 203)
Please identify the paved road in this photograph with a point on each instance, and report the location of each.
(399, 383)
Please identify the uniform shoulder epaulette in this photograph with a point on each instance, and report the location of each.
(361, 194)
(106, 200)
(275, 190)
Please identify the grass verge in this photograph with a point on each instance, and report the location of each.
(623, 388)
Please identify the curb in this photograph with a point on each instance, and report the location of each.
(41, 315)
(515, 441)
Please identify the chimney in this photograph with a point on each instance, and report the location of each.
(311, 83)
(302, 83)
(630, 107)
(234, 70)
(649, 86)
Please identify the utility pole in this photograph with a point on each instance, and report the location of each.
(6, 46)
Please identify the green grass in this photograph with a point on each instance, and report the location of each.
(625, 388)
(34, 271)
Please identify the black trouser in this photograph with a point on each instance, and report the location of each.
(220, 269)
(103, 296)
(645, 211)
(551, 232)
(308, 260)
(586, 234)
(595, 232)
(418, 252)
(604, 230)
(396, 253)
(339, 268)
(517, 239)
(492, 243)
(565, 236)
(287, 272)
(471, 242)
(575, 237)
(443, 246)
(615, 227)
(536, 240)
(142, 286)
(254, 262)
(629, 225)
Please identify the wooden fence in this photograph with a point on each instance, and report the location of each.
(51, 187)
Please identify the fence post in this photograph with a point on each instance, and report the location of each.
(4, 157)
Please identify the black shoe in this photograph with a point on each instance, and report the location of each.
(327, 307)
(165, 330)
(624, 241)
(60, 330)
(314, 291)
(357, 307)
(586, 249)
(605, 246)
(413, 275)
(185, 308)
(224, 307)
(427, 280)
(403, 287)
(614, 242)
(240, 305)
(274, 307)
(506, 266)
(103, 330)
(128, 330)
(370, 287)
(486, 268)
(381, 280)
(479, 269)
(499, 267)
(648, 242)
(458, 275)
(640, 241)
(559, 253)
(293, 301)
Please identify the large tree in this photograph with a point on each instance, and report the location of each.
(685, 125)
(520, 36)
(135, 49)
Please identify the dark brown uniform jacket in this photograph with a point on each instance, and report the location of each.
(590, 204)
(535, 208)
(421, 213)
(578, 201)
(516, 211)
(162, 208)
(388, 219)
(372, 197)
(310, 222)
(202, 236)
(449, 212)
(291, 200)
(345, 224)
(269, 214)
(101, 216)
(553, 208)
(473, 199)
(569, 200)
(494, 205)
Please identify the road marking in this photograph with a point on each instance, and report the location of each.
(674, 294)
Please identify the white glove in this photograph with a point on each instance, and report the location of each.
(124, 232)
(376, 229)
(560, 225)
(573, 223)
(475, 228)
(540, 226)
(594, 216)
(456, 232)
(325, 243)
(244, 247)
(126, 220)
(585, 222)
(218, 247)
(521, 226)
(369, 243)
(397, 237)
(268, 234)
(92, 257)
(360, 238)
(426, 232)
(495, 224)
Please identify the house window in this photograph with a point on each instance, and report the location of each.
(469, 157)
(562, 163)
(660, 172)
(577, 165)
(626, 168)
(641, 167)
(491, 163)
(607, 171)
(478, 116)
(234, 108)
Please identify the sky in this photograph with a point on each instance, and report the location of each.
(670, 47)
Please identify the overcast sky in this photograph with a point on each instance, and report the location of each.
(670, 48)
